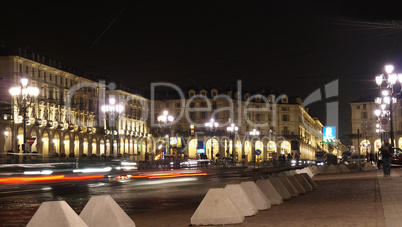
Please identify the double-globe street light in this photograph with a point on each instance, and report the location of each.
(212, 126)
(165, 120)
(232, 130)
(113, 111)
(24, 97)
(255, 133)
(386, 82)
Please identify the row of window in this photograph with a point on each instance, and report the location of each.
(46, 76)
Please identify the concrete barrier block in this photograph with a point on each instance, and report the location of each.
(368, 167)
(216, 209)
(312, 170)
(310, 181)
(240, 199)
(293, 172)
(55, 213)
(332, 169)
(296, 184)
(256, 195)
(308, 171)
(269, 191)
(293, 191)
(287, 173)
(306, 185)
(321, 169)
(344, 169)
(280, 188)
(102, 210)
(281, 174)
(316, 170)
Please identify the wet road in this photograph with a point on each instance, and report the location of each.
(135, 196)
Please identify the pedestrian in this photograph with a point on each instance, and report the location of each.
(371, 157)
(386, 151)
(284, 159)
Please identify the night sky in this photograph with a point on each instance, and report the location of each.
(293, 47)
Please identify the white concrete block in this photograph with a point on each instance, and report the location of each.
(293, 191)
(280, 188)
(287, 173)
(310, 181)
(312, 170)
(332, 169)
(56, 213)
(256, 195)
(321, 169)
(293, 172)
(368, 167)
(308, 171)
(240, 199)
(343, 168)
(296, 184)
(102, 210)
(306, 185)
(269, 191)
(281, 174)
(216, 209)
(316, 170)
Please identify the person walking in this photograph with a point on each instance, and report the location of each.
(386, 151)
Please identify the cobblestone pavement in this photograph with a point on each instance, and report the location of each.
(351, 199)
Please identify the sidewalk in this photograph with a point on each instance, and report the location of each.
(351, 199)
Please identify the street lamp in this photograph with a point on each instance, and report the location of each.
(254, 133)
(24, 98)
(386, 82)
(212, 126)
(165, 120)
(232, 130)
(113, 110)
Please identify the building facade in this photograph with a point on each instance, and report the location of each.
(365, 122)
(284, 126)
(66, 118)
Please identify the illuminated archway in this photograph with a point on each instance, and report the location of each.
(192, 148)
(365, 147)
(20, 139)
(45, 144)
(247, 152)
(76, 146)
(94, 147)
(238, 152)
(66, 143)
(208, 148)
(56, 143)
(271, 150)
(102, 146)
(377, 144)
(85, 145)
(258, 146)
(8, 139)
(285, 147)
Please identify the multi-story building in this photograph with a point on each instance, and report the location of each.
(365, 122)
(281, 121)
(66, 118)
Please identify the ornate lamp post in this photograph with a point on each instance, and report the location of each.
(386, 82)
(212, 126)
(232, 130)
(254, 133)
(113, 110)
(165, 120)
(24, 98)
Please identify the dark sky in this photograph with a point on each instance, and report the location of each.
(294, 47)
